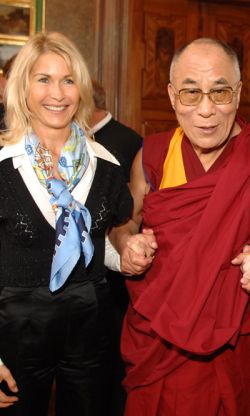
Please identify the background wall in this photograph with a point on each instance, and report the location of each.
(100, 30)
(77, 20)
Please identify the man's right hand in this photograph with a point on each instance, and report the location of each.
(5, 375)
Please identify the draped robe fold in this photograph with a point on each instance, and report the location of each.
(190, 304)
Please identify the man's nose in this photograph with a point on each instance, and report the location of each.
(206, 107)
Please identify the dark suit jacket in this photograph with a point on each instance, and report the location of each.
(2, 125)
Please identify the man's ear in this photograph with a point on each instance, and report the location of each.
(171, 95)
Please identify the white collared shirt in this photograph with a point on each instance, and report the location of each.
(101, 123)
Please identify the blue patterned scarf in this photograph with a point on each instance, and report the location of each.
(73, 220)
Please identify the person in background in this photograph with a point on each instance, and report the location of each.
(123, 142)
(60, 194)
(186, 335)
(7, 66)
(2, 88)
(3, 80)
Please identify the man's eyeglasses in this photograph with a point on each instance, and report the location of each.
(193, 96)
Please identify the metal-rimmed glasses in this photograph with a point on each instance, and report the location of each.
(193, 96)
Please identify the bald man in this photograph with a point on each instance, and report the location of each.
(186, 335)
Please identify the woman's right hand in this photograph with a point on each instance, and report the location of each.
(5, 375)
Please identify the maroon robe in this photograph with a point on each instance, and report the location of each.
(189, 317)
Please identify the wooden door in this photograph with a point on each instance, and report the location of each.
(158, 28)
(231, 24)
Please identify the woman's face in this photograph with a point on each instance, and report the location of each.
(53, 97)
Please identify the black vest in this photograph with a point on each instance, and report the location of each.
(27, 239)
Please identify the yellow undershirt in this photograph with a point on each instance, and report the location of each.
(173, 168)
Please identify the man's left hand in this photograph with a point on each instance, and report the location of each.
(243, 260)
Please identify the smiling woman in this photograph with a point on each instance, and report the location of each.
(53, 97)
(63, 193)
(42, 57)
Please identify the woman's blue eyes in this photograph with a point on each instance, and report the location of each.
(67, 81)
(43, 80)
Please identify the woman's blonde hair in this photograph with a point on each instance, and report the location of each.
(18, 115)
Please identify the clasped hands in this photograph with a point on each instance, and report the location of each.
(138, 253)
(140, 250)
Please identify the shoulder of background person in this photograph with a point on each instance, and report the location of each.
(1, 109)
(122, 141)
(2, 112)
(123, 129)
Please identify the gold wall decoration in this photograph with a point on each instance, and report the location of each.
(19, 19)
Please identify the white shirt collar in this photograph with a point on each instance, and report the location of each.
(18, 154)
(40, 194)
(15, 151)
(101, 123)
(97, 150)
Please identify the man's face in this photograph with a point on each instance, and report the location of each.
(205, 67)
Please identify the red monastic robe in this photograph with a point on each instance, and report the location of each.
(186, 335)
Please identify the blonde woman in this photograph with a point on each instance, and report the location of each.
(60, 194)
